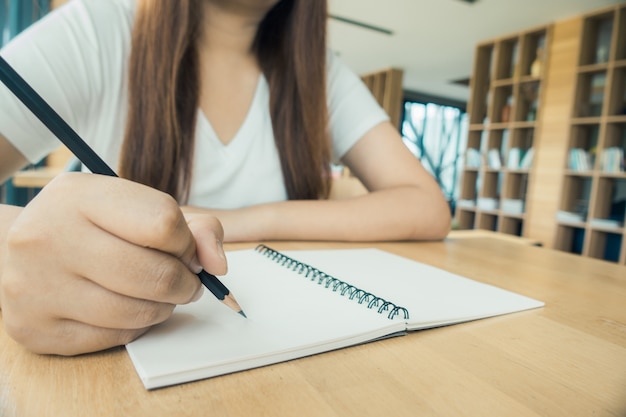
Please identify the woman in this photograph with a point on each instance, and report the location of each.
(234, 111)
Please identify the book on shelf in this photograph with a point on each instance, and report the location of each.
(520, 158)
(513, 205)
(603, 40)
(612, 160)
(506, 138)
(513, 161)
(606, 223)
(473, 158)
(466, 203)
(570, 216)
(527, 159)
(306, 302)
(493, 159)
(487, 203)
(596, 94)
(580, 160)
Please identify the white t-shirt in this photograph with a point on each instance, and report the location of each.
(76, 58)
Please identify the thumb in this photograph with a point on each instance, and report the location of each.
(209, 235)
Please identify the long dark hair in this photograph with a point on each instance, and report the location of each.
(164, 84)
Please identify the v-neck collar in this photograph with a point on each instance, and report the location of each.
(241, 132)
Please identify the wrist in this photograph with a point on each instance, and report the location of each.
(264, 222)
(248, 224)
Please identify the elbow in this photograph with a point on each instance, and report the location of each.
(433, 222)
(442, 224)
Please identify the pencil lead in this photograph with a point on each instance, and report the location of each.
(242, 313)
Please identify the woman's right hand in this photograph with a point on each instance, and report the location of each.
(92, 262)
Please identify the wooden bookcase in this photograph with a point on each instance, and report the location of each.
(386, 87)
(592, 211)
(505, 112)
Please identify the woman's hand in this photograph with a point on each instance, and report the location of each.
(93, 262)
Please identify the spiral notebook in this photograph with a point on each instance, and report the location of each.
(301, 303)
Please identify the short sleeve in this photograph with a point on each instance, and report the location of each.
(61, 57)
(353, 110)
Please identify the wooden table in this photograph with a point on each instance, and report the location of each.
(567, 359)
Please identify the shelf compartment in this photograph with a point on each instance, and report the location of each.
(527, 101)
(590, 94)
(520, 153)
(605, 245)
(511, 225)
(585, 136)
(620, 48)
(486, 221)
(610, 203)
(617, 98)
(480, 84)
(614, 149)
(523, 138)
(576, 194)
(503, 105)
(570, 239)
(474, 139)
(507, 59)
(491, 185)
(533, 54)
(516, 185)
(583, 146)
(466, 218)
(469, 185)
(597, 38)
(473, 151)
(495, 147)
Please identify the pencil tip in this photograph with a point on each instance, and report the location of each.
(242, 313)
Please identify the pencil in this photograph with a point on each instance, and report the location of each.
(51, 119)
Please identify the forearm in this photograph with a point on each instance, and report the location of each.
(399, 213)
(7, 215)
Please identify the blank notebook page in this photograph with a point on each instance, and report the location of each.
(433, 296)
(289, 316)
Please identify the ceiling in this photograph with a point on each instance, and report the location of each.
(433, 40)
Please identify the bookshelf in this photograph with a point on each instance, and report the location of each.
(386, 87)
(505, 112)
(591, 215)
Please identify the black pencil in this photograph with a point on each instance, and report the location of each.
(64, 132)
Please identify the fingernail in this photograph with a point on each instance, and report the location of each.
(195, 264)
(198, 294)
(220, 249)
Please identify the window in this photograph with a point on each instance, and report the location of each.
(437, 135)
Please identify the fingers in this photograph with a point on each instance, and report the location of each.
(209, 235)
(143, 216)
(99, 307)
(94, 261)
(85, 319)
(77, 316)
(69, 337)
(141, 245)
(130, 270)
